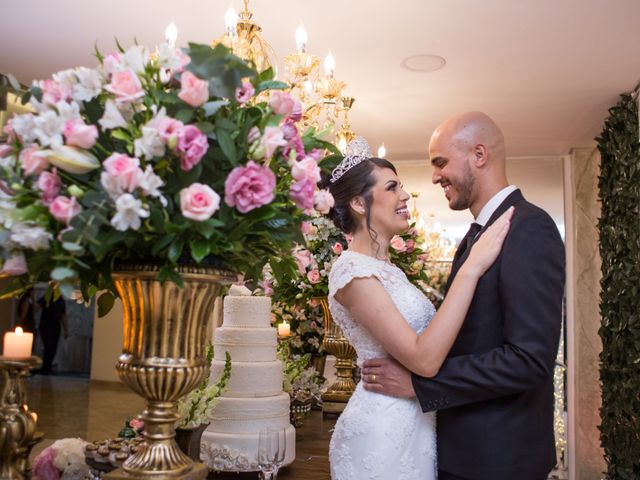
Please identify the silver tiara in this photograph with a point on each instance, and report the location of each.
(357, 151)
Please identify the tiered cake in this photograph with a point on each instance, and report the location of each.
(254, 400)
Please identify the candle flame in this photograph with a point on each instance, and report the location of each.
(19, 331)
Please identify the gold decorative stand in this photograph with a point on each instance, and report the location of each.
(163, 359)
(17, 424)
(336, 397)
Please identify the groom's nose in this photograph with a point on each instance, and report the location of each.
(435, 176)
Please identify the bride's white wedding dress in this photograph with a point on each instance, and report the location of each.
(377, 436)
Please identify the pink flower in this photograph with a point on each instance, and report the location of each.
(313, 276)
(78, 134)
(193, 144)
(313, 303)
(281, 102)
(398, 244)
(49, 183)
(33, 163)
(111, 63)
(349, 238)
(296, 111)
(306, 169)
(272, 139)
(6, 151)
(323, 201)
(193, 91)
(53, 92)
(306, 228)
(170, 130)
(64, 209)
(136, 424)
(249, 187)
(411, 245)
(289, 130)
(267, 287)
(245, 92)
(302, 194)
(316, 154)
(303, 259)
(44, 465)
(125, 168)
(253, 135)
(337, 248)
(15, 265)
(126, 86)
(413, 232)
(199, 202)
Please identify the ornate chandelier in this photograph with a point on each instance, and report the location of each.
(321, 95)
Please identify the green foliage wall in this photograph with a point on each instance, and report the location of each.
(619, 228)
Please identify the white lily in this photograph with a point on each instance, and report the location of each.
(71, 159)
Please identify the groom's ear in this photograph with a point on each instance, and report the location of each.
(480, 155)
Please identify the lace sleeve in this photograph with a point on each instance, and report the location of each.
(347, 267)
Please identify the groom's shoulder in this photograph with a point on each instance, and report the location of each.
(533, 219)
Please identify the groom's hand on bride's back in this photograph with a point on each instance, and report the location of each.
(386, 376)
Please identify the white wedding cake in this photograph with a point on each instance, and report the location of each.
(254, 399)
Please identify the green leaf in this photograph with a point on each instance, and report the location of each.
(175, 250)
(105, 303)
(170, 274)
(210, 108)
(227, 145)
(63, 273)
(199, 249)
(271, 85)
(161, 244)
(120, 134)
(73, 248)
(184, 115)
(266, 75)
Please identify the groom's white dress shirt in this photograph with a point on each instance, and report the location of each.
(491, 206)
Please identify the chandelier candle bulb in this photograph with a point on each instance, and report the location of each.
(301, 39)
(284, 329)
(17, 344)
(231, 21)
(171, 34)
(382, 151)
(329, 65)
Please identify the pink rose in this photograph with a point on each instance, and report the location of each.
(170, 130)
(306, 169)
(15, 265)
(64, 209)
(111, 64)
(193, 91)
(245, 92)
(302, 194)
(337, 248)
(125, 168)
(398, 244)
(199, 202)
(54, 92)
(249, 187)
(413, 232)
(193, 144)
(313, 276)
(49, 183)
(32, 161)
(306, 228)
(323, 201)
(136, 424)
(126, 86)
(272, 139)
(281, 102)
(411, 245)
(44, 465)
(313, 303)
(302, 257)
(78, 134)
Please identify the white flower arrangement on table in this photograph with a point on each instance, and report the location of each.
(63, 460)
(170, 158)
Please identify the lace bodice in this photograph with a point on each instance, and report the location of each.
(411, 302)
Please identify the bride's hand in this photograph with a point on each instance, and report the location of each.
(485, 251)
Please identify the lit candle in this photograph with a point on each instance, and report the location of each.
(171, 34)
(342, 145)
(301, 39)
(231, 21)
(17, 344)
(382, 151)
(329, 65)
(284, 329)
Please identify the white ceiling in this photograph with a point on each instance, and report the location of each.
(545, 70)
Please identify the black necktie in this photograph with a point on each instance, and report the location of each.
(467, 241)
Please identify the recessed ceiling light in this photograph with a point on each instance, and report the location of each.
(424, 63)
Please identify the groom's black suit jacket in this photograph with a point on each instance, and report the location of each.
(494, 393)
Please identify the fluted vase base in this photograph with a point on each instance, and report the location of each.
(198, 471)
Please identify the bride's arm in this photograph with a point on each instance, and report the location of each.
(370, 305)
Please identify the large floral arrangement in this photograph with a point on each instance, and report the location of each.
(295, 296)
(64, 459)
(176, 156)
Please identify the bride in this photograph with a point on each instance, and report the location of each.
(382, 314)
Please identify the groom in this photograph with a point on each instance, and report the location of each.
(494, 393)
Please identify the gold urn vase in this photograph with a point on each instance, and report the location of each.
(163, 358)
(335, 398)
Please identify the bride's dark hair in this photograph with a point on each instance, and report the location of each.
(357, 181)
